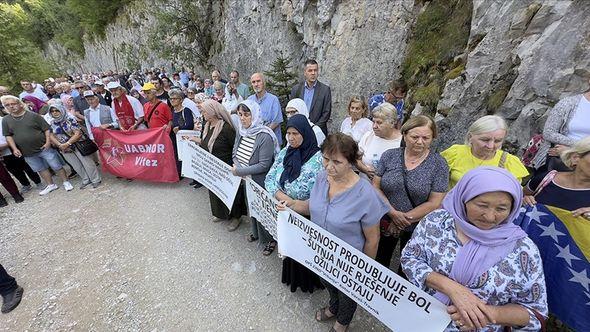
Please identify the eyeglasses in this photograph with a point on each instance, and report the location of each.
(78, 87)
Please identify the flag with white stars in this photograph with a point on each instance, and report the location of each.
(564, 243)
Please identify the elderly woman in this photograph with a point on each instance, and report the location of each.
(414, 180)
(384, 136)
(218, 138)
(219, 92)
(65, 131)
(297, 106)
(182, 119)
(566, 190)
(335, 204)
(253, 155)
(568, 122)
(471, 256)
(356, 124)
(482, 148)
(292, 177)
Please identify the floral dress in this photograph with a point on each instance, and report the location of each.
(65, 129)
(518, 278)
(301, 187)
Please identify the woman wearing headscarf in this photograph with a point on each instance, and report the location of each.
(65, 131)
(471, 256)
(219, 137)
(68, 104)
(35, 104)
(291, 177)
(253, 154)
(297, 106)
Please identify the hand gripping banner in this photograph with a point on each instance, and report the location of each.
(140, 154)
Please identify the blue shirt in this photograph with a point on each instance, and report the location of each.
(308, 94)
(379, 99)
(347, 213)
(184, 77)
(270, 111)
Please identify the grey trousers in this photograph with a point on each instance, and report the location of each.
(260, 232)
(84, 166)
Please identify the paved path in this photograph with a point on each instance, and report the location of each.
(144, 257)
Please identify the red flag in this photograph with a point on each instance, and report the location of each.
(138, 154)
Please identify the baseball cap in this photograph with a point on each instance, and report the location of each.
(89, 93)
(99, 82)
(113, 85)
(148, 86)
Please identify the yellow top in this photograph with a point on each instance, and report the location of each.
(461, 160)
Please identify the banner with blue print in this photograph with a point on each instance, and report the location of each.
(564, 243)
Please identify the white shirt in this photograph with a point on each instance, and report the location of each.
(191, 105)
(93, 119)
(36, 93)
(230, 102)
(3, 152)
(135, 104)
(579, 125)
(373, 146)
(357, 131)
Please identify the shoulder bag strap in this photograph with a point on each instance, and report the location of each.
(503, 159)
(405, 178)
(152, 112)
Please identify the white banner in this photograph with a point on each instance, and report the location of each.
(396, 302)
(182, 139)
(211, 172)
(262, 206)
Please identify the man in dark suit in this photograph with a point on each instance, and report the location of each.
(317, 96)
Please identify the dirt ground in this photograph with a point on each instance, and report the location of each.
(144, 257)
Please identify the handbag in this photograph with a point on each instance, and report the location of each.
(531, 150)
(85, 146)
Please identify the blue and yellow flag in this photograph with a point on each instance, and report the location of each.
(564, 243)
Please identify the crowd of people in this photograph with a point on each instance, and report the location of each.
(374, 184)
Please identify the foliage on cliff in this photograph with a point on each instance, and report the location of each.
(440, 34)
(26, 26)
(184, 30)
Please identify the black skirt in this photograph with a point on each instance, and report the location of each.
(297, 275)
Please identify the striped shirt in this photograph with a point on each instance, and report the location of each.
(245, 149)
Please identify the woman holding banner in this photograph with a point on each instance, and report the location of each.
(253, 154)
(218, 138)
(291, 177)
(347, 206)
(471, 256)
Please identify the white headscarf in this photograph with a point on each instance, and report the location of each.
(257, 125)
(300, 106)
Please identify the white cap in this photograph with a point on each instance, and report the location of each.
(113, 85)
(99, 82)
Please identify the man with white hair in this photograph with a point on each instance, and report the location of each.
(28, 135)
(270, 107)
(128, 109)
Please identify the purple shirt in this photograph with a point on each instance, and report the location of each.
(348, 212)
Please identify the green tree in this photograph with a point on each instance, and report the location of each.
(20, 57)
(281, 78)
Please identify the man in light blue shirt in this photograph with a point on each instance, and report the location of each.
(242, 88)
(270, 108)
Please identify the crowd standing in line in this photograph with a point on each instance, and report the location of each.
(375, 184)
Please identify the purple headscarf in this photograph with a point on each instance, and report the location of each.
(37, 103)
(486, 247)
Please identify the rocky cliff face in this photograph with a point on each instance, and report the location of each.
(523, 55)
(530, 54)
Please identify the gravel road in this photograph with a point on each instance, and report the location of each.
(144, 257)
